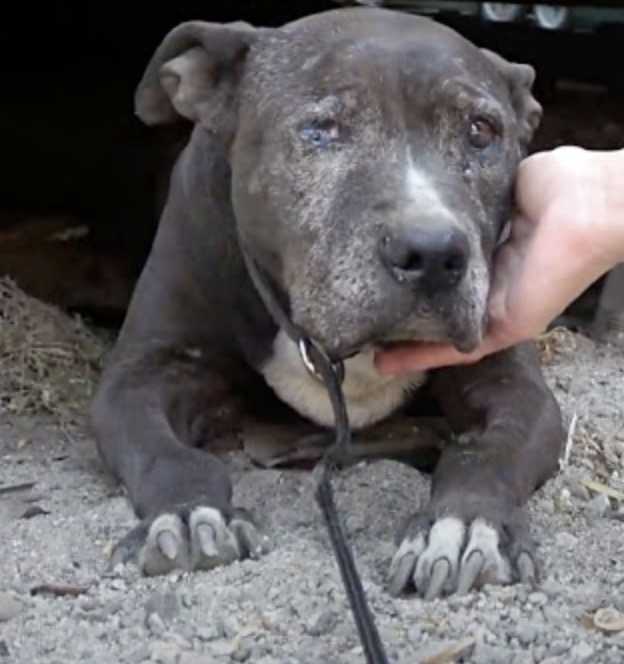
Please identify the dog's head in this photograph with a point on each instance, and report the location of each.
(372, 155)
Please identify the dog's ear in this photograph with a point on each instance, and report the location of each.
(194, 74)
(520, 79)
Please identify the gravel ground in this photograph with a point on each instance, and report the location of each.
(60, 604)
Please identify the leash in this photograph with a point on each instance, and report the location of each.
(318, 363)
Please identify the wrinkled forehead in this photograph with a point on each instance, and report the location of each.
(380, 63)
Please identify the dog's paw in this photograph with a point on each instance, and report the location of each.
(191, 539)
(449, 555)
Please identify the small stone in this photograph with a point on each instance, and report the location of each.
(178, 640)
(515, 614)
(241, 652)
(187, 600)
(558, 648)
(551, 587)
(321, 622)
(581, 653)
(166, 605)
(222, 648)
(119, 570)
(195, 658)
(597, 507)
(492, 655)
(155, 624)
(9, 607)
(113, 607)
(525, 632)
(462, 601)
(164, 653)
(523, 658)
(537, 598)
(210, 632)
(566, 540)
(118, 584)
(87, 603)
(563, 501)
(549, 507)
(229, 626)
(258, 650)
(589, 595)
(588, 464)
(139, 654)
(415, 635)
(578, 489)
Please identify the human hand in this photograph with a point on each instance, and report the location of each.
(568, 231)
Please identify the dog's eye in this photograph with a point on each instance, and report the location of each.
(321, 134)
(481, 133)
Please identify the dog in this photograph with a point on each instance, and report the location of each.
(364, 159)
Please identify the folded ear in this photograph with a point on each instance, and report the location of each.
(520, 79)
(194, 73)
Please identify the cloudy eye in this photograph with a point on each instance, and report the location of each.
(321, 134)
(482, 133)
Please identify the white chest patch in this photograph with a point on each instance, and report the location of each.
(369, 396)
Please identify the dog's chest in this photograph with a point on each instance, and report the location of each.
(369, 396)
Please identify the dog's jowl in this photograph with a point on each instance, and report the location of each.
(365, 160)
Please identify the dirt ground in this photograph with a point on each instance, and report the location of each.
(60, 515)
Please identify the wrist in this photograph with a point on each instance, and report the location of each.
(613, 174)
(593, 204)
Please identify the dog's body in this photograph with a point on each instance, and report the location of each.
(365, 160)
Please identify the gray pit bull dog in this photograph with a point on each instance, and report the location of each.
(365, 159)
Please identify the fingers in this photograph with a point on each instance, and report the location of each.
(421, 356)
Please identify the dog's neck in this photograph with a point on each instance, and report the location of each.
(370, 397)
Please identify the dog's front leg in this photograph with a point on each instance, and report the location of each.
(148, 414)
(474, 529)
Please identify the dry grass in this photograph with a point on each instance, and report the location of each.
(49, 361)
(555, 342)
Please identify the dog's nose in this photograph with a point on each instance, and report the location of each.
(435, 259)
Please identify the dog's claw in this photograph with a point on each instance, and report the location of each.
(404, 561)
(206, 537)
(168, 544)
(527, 570)
(213, 542)
(254, 544)
(470, 571)
(164, 547)
(401, 572)
(439, 575)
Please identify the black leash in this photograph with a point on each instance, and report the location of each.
(331, 374)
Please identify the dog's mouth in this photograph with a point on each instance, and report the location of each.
(465, 341)
(458, 321)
